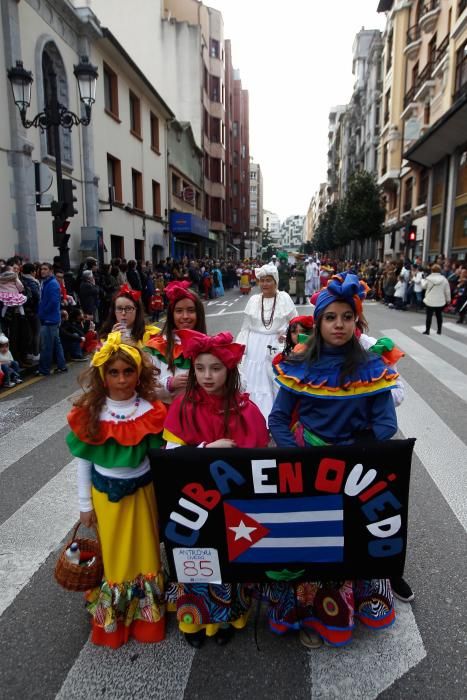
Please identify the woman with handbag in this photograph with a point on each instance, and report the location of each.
(113, 425)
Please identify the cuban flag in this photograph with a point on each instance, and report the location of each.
(285, 530)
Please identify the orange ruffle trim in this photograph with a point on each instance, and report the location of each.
(126, 433)
(159, 343)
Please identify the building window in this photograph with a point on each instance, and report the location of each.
(461, 69)
(135, 115)
(387, 101)
(235, 159)
(235, 130)
(137, 189)
(214, 48)
(234, 216)
(215, 135)
(252, 174)
(214, 88)
(110, 91)
(216, 170)
(206, 122)
(423, 187)
(117, 248)
(217, 209)
(408, 194)
(389, 51)
(243, 150)
(154, 124)
(114, 177)
(139, 249)
(156, 198)
(176, 189)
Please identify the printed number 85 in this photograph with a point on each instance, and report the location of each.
(190, 569)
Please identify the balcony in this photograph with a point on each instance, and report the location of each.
(429, 14)
(441, 56)
(413, 43)
(421, 87)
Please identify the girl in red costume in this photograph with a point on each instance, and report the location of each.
(212, 413)
(298, 326)
(113, 425)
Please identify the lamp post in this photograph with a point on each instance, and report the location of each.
(53, 116)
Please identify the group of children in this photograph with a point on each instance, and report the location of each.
(183, 387)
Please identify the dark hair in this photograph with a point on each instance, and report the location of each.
(355, 355)
(169, 326)
(289, 346)
(232, 391)
(74, 313)
(28, 268)
(94, 396)
(139, 325)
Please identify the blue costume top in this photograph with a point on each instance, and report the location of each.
(334, 412)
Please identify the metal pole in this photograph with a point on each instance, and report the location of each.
(52, 110)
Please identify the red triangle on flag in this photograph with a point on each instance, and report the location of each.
(241, 530)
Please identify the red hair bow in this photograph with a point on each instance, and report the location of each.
(178, 290)
(133, 293)
(220, 345)
(305, 321)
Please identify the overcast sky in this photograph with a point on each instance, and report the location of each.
(295, 60)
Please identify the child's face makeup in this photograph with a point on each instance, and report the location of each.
(338, 324)
(185, 314)
(120, 380)
(211, 373)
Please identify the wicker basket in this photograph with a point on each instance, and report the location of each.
(79, 578)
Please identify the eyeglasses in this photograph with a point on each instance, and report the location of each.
(125, 309)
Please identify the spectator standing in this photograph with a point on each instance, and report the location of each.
(49, 316)
(31, 307)
(89, 295)
(437, 295)
(9, 366)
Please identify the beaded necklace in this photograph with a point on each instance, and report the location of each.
(267, 324)
(121, 416)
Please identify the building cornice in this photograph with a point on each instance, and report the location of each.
(67, 22)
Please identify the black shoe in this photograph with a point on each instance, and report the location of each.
(438, 332)
(224, 635)
(38, 373)
(196, 640)
(60, 370)
(402, 590)
(426, 333)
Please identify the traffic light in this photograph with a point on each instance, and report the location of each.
(60, 235)
(412, 235)
(69, 199)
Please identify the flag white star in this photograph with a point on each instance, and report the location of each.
(242, 531)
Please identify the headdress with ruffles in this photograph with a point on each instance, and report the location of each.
(345, 287)
(177, 290)
(220, 345)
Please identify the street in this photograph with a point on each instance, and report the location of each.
(44, 647)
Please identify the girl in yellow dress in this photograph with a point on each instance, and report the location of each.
(113, 425)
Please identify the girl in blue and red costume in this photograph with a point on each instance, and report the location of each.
(212, 413)
(341, 394)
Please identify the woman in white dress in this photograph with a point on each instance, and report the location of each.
(267, 316)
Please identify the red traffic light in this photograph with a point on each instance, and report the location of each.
(412, 234)
(63, 227)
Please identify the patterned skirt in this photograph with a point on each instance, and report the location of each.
(329, 609)
(209, 606)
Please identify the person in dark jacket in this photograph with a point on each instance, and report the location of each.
(49, 316)
(133, 276)
(31, 307)
(89, 295)
(72, 334)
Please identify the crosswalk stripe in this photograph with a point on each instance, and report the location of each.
(162, 671)
(445, 466)
(34, 531)
(445, 373)
(15, 445)
(456, 328)
(446, 341)
(334, 671)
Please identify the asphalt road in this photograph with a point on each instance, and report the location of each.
(44, 648)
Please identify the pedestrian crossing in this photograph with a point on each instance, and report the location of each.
(173, 670)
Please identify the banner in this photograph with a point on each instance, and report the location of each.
(232, 515)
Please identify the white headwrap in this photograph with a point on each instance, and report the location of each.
(268, 270)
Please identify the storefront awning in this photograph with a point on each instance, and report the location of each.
(443, 138)
(188, 224)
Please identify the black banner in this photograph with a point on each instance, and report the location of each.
(284, 514)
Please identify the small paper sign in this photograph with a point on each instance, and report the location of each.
(197, 565)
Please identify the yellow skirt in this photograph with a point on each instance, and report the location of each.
(130, 600)
(128, 534)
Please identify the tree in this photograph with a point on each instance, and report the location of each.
(363, 208)
(268, 249)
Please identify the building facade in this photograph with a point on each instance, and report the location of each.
(293, 233)
(272, 225)
(256, 209)
(123, 150)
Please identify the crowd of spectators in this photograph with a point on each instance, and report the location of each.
(48, 315)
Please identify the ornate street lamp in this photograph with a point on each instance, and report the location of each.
(53, 116)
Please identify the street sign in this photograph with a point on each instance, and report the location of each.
(188, 194)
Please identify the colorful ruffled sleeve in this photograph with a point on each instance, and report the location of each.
(117, 444)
